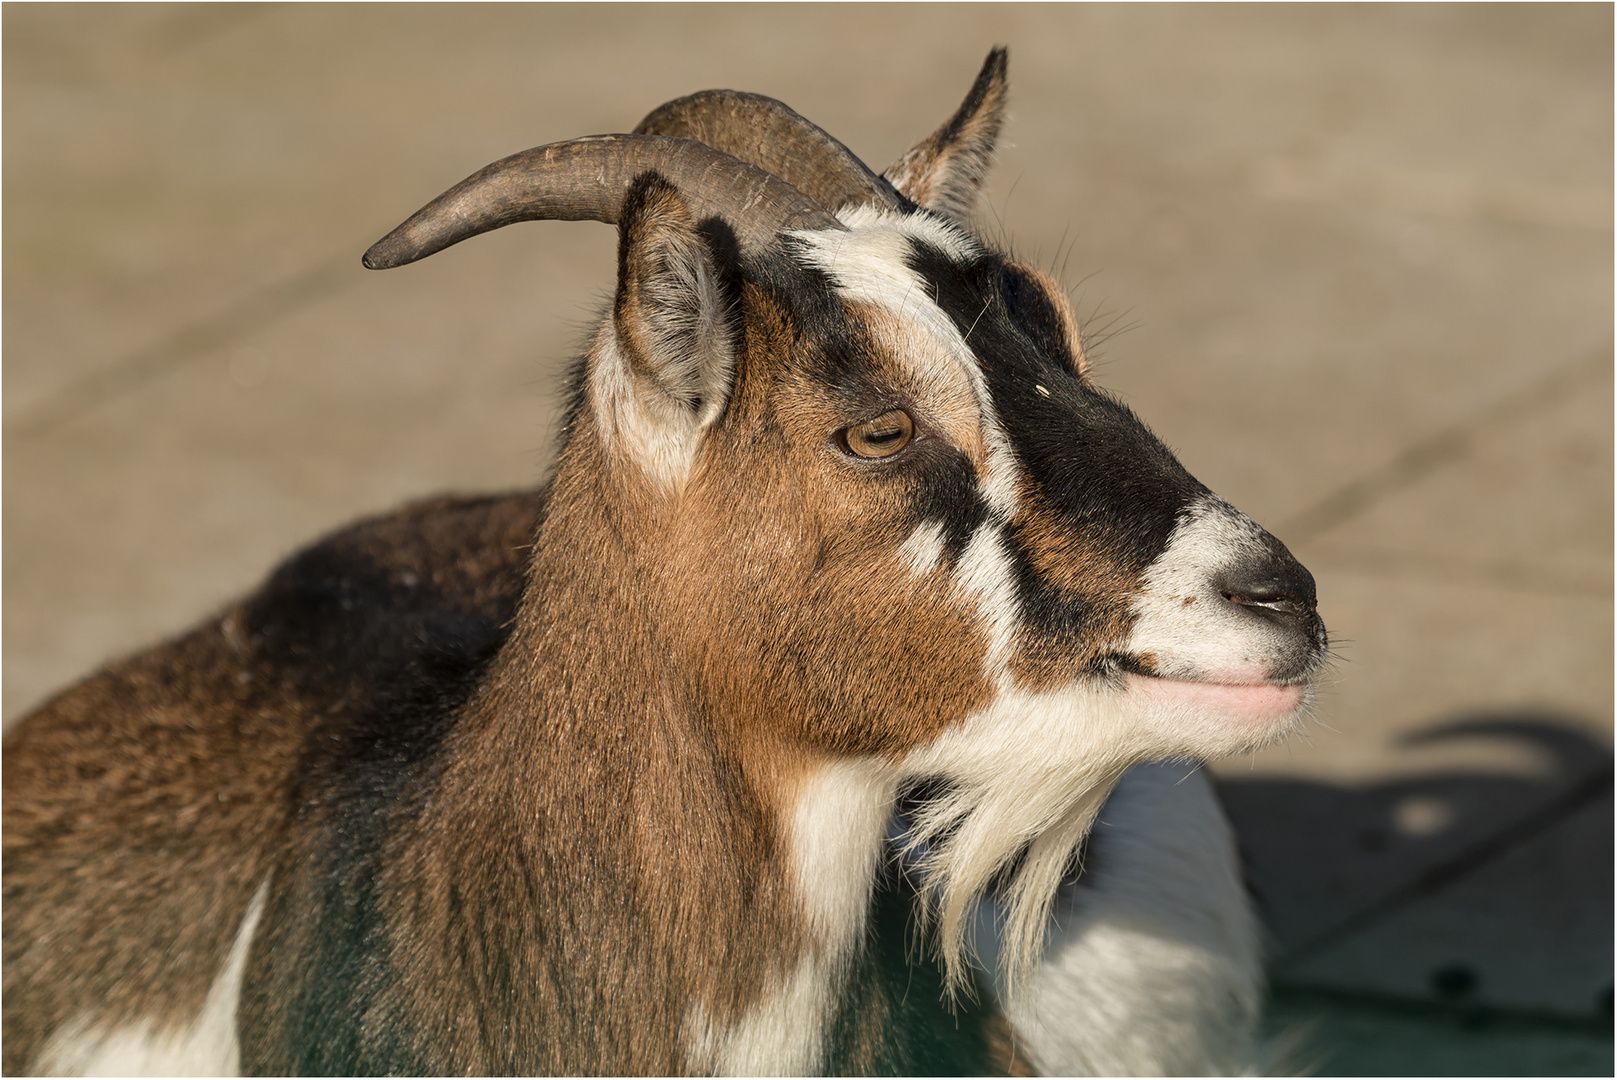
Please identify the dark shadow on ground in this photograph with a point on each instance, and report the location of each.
(1333, 867)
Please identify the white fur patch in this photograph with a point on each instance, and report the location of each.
(922, 550)
(1026, 773)
(984, 573)
(835, 838)
(654, 431)
(652, 414)
(205, 1047)
(783, 1035)
(953, 239)
(1180, 616)
(1025, 777)
(1153, 965)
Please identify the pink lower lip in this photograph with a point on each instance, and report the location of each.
(1250, 699)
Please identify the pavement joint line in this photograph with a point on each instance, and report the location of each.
(191, 342)
(1468, 1013)
(1448, 871)
(1444, 448)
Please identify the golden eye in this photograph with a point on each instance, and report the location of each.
(882, 437)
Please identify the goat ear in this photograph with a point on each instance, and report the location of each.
(669, 375)
(945, 171)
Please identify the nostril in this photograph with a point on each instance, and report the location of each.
(1278, 584)
(1271, 600)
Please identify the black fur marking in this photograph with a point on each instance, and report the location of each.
(796, 286)
(1110, 480)
(993, 68)
(1031, 310)
(950, 496)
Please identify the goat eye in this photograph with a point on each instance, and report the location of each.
(882, 437)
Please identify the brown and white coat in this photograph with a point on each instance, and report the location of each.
(765, 738)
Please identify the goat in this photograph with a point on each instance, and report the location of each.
(765, 737)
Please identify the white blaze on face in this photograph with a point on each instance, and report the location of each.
(869, 264)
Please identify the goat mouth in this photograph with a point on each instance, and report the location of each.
(1251, 701)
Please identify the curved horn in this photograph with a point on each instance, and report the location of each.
(768, 134)
(586, 179)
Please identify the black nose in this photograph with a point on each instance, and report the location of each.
(1273, 586)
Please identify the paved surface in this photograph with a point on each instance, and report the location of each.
(1364, 261)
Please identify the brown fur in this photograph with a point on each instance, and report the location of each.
(1056, 297)
(1076, 563)
(143, 807)
(136, 830)
(788, 591)
(524, 830)
(520, 772)
(700, 701)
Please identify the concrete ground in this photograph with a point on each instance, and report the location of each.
(1362, 256)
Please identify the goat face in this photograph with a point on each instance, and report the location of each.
(1011, 530)
(877, 508)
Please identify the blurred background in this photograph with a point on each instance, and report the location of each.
(1354, 264)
